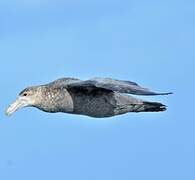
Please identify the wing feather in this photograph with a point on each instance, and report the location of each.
(63, 82)
(114, 85)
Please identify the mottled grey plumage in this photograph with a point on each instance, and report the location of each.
(97, 97)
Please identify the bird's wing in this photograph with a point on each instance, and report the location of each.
(114, 85)
(63, 82)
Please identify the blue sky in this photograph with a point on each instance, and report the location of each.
(150, 42)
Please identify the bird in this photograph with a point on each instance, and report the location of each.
(97, 97)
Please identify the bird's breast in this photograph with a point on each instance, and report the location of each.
(57, 100)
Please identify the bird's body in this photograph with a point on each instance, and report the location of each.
(98, 97)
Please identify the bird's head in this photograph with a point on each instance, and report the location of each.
(27, 97)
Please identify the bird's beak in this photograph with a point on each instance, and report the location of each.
(18, 104)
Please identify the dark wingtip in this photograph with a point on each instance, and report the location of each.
(166, 93)
(150, 93)
(161, 94)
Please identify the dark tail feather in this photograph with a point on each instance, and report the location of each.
(153, 107)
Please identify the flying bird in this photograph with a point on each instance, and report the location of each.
(97, 97)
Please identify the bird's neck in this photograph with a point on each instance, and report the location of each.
(54, 99)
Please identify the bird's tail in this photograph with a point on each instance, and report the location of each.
(145, 106)
(153, 107)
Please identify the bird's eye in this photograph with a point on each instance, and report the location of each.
(25, 94)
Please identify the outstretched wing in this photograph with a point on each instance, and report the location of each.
(63, 82)
(114, 85)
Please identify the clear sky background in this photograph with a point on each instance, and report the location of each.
(150, 42)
